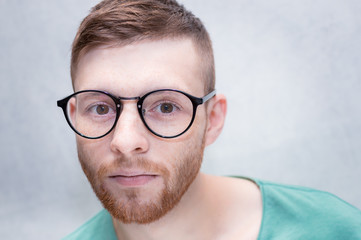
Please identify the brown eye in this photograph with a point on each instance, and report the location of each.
(166, 108)
(102, 109)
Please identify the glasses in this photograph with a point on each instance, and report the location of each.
(167, 113)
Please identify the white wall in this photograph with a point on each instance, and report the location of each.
(291, 71)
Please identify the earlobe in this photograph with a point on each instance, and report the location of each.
(216, 115)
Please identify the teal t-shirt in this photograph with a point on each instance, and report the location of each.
(289, 212)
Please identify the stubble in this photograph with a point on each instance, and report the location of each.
(130, 208)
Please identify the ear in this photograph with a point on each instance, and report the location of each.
(216, 115)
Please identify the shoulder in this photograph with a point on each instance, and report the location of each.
(291, 211)
(100, 227)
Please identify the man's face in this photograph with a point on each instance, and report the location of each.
(138, 176)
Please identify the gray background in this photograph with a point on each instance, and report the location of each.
(290, 69)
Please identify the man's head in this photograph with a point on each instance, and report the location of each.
(119, 23)
(128, 49)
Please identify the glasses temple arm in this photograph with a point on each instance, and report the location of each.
(208, 96)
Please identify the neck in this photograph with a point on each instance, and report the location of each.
(189, 219)
(212, 208)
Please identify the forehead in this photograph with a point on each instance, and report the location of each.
(134, 69)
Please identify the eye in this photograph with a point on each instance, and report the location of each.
(166, 107)
(102, 109)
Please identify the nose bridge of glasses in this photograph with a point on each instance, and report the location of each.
(122, 99)
(127, 118)
(128, 98)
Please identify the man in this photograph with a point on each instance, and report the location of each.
(144, 109)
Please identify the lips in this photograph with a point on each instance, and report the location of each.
(133, 179)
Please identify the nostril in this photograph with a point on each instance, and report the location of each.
(138, 149)
(128, 145)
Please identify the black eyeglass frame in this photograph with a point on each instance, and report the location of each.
(117, 100)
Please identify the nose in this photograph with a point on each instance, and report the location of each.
(130, 137)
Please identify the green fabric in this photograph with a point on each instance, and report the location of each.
(289, 212)
(100, 227)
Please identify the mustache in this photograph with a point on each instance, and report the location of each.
(126, 163)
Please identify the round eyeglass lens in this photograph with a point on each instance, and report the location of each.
(167, 113)
(91, 114)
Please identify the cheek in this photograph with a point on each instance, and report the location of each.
(91, 152)
(185, 153)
